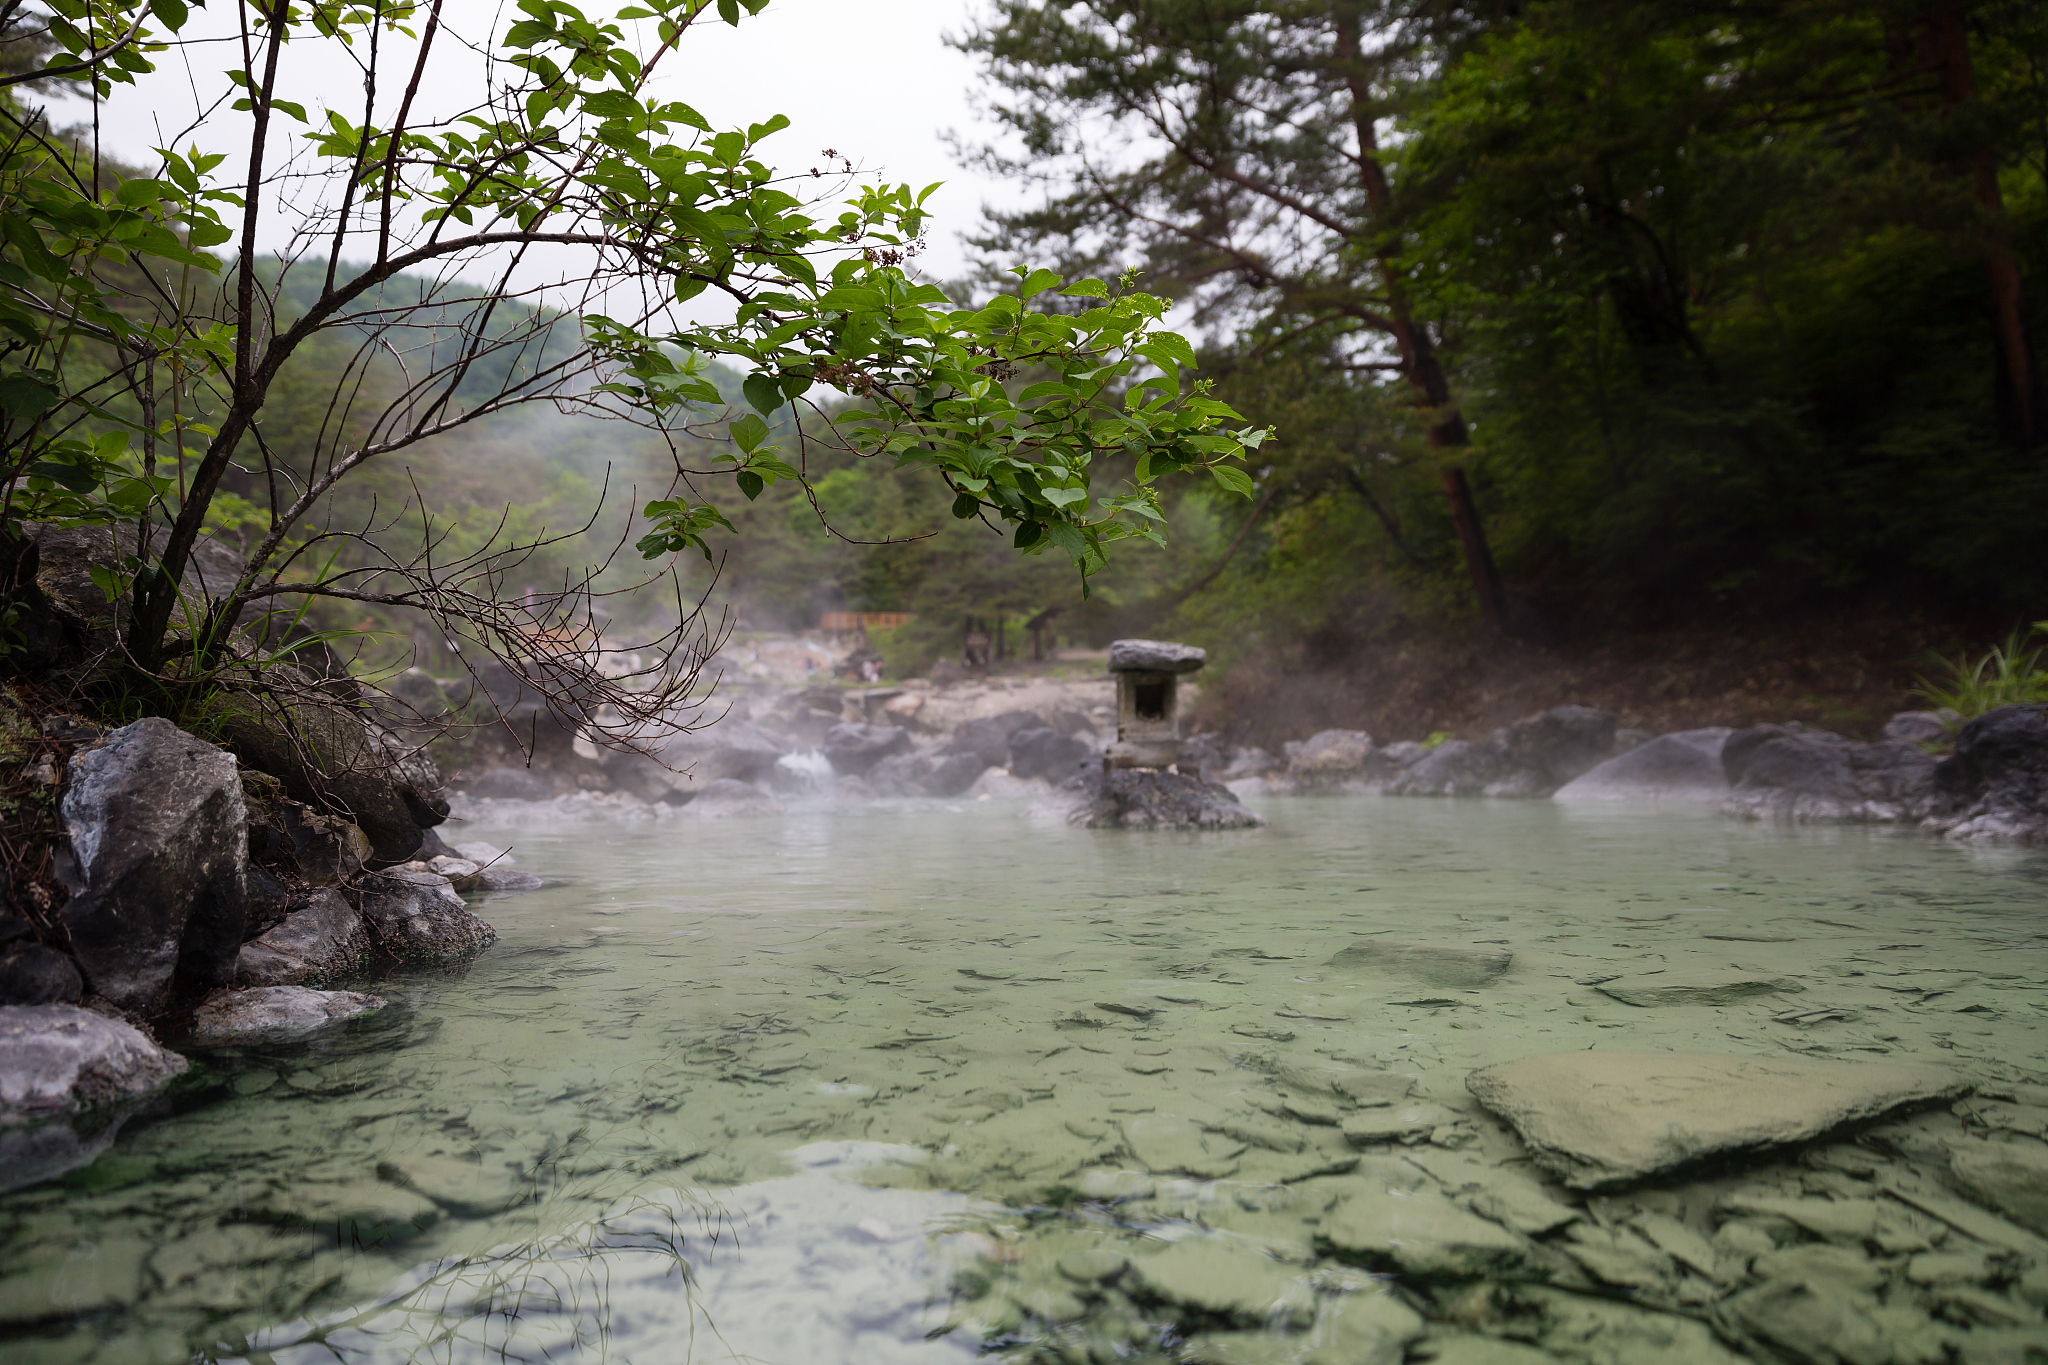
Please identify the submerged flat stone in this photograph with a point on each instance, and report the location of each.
(275, 1012)
(1214, 1277)
(1673, 988)
(1599, 1119)
(1452, 966)
(1421, 1233)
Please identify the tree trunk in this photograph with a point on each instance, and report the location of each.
(1420, 369)
(1945, 50)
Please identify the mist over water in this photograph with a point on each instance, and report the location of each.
(826, 1085)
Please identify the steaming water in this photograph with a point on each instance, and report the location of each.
(824, 1086)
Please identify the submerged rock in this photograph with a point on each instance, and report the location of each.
(1685, 766)
(1678, 988)
(59, 1058)
(1145, 798)
(2009, 1177)
(1419, 1232)
(1214, 1277)
(1599, 1119)
(269, 1012)
(322, 940)
(158, 864)
(1452, 966)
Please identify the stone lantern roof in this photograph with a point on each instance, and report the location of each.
(1155, 656)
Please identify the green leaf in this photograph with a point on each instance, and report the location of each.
(1065, 497)
(1029, 533)
(966, 506)
(1037, 282)
(205, 232)
(748, 432)
(750, 483)
(1234, 480)
(74, 477)
(729, 10)
(763, 393)
(24, 397)
(1086, 289)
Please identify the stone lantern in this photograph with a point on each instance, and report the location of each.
(1148, 674)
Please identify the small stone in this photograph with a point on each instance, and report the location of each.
(1371, 1327)
(1462, 1350)
(1092, 1265)
(1948, 1267)
(1395, 1123)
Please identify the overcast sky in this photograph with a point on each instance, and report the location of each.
(870, 78)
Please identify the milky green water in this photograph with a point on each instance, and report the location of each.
(818, 1087)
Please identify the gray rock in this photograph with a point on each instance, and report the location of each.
(1559, 744)
(271, 1012)
(1796, 773)
(854, 749)
(33, 1152)
(1684, 766)
(726, 799)
(1155, 656)
(1600, 1119)
(1921, 727)
(1693, 988)
(297, 841)
(926, 774)
(286, 721)
(1994, 788)
(58, 1058)
(1329, 757)
(1404, 754)
(1166, 1144)
(1149, 798)
(31, 974)
(1453, 966)
(1453, 768)
(322, 940)
(158, 864)
(418, 918)
(462, 874)
(1045, 752)
(988, 737)
(685, 761)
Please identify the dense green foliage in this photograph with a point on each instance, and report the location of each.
(1725, 292)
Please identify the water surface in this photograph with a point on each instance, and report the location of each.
(847, 1084)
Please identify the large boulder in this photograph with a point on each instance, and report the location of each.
(269, 1013)
(55, 1059)
(321, 940)
(332, 757)
(1329, 758)
(157, 866)
(1599, 1119)
(1994, 788)
(854, 748)
(416, 917)
(1045, 752)
(1685, 766)
(1151, 798)
(988, 737)
(1453, 768)
(726, 748)
(1796, 773)
(295, 841)
(1546, 751)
